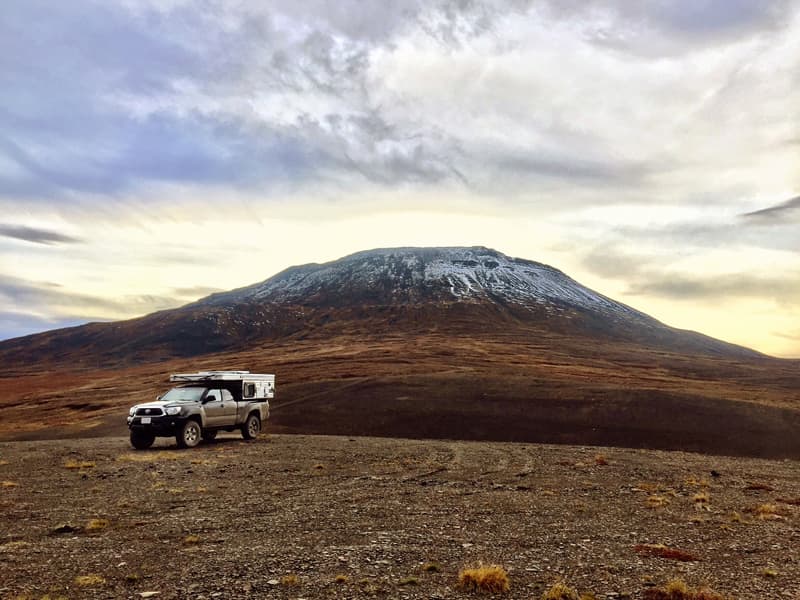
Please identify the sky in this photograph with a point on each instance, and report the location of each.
(152, 152)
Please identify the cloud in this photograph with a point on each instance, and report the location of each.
(785, 211)
(248, 96)
(17, 324)
(36, 235)
(783, 290)
(58, 302)
(787, 335)
(669, 28)
(659, 276)
(196, 291)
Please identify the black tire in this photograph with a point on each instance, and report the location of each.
(141, 440)
(189, 435)
(209, 436)
(251, 427)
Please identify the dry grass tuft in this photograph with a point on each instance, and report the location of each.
(662, 551)
(95, 525)
(768, 572)
(768, 512)
(3, 463)
(697, 520)
(13, 545)
(561, 591)
(600, 460)
(147, 457)
(89, 580)
(191, 539)
(696, 481)
(678, 590)
(655, 501)
(701, 498)
(759, 487)
(792, 501)
(9, 484)
(432, 567)
(79, 464)
(484, 578)
(290, 581)
(410, 580)
(341, 579)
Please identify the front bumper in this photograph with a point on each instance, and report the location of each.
(159, 426)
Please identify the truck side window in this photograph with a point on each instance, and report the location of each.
(226, 396)
(249, 390)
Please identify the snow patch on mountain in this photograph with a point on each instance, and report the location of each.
(473, 274)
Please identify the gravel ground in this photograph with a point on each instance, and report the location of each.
(335, 517)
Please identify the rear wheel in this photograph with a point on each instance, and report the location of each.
(209, 436)
(189, 435)
(141, 440)
(251, 427)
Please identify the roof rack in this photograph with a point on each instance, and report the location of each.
(221, 376)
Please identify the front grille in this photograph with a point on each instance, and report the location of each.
(149, 412)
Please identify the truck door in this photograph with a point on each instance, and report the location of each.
(229, 407)
(214, 408)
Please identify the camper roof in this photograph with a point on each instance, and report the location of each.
(221, 376)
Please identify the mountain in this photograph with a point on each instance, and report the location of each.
(424, 342)
(399, 289)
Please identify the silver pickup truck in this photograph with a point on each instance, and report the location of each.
(205, 403)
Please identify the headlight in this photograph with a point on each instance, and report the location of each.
(173, 410)
(132, 411)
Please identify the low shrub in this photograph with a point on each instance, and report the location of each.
(484, 578)
(561, 591)
(678, 590)
(661, 551)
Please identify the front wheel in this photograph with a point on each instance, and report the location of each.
(142, 440)
(251, 427)
(189, 435)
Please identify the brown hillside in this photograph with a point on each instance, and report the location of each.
(534, 387)
(462, 343)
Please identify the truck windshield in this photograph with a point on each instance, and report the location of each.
(184, 394)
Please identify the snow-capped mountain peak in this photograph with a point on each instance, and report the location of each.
(412, 275)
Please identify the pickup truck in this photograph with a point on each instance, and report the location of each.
(203, 404)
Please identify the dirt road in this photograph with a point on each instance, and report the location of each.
(336, 517)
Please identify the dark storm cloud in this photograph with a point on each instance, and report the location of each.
(779, 213)
(36, 235)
